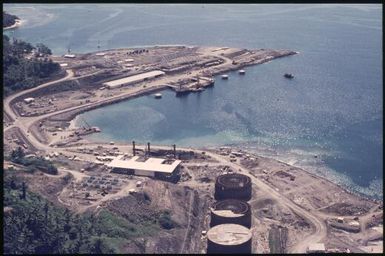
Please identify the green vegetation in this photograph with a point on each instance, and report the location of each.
(8, 19)
(165, 220)
(32, 163)
(25, 66)
(33, 225)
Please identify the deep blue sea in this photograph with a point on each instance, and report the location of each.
(333, 109)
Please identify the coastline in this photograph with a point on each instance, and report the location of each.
(86, 140)
(72, 115)
(345, 187)
(18, 23)
(69, 116)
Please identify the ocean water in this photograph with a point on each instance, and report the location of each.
(333, 109)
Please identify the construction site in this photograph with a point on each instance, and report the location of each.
(222, 199)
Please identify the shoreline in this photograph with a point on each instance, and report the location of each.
(18, 23)
(69, 116)
(71, 119)
(315, 175)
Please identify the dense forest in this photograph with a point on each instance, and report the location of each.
(8, 19)
(33, 225)
(25, 66)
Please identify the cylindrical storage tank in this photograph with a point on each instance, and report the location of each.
(229, 238)
(231, 211)
(233, 186)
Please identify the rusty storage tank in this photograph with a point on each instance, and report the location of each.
(229, 238)
(231, 211)
(233, 186)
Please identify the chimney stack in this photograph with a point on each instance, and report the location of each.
(174, 146)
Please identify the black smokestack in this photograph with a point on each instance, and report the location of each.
(133, 148)
(174, 146)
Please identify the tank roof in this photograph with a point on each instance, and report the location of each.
(229, 234)
(234, 180)
(226, 213)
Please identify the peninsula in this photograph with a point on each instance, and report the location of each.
(10, 21)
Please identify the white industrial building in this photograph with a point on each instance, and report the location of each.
(133, 79)
(151, 167)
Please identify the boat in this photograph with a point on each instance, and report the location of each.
(199, 89)
(207, 81)
(225, 77)
(182, 92)
(288, 75)
(158, 95)
(241, 72)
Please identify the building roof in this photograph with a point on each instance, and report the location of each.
(134, 78)
(151, 164)
(316, 247)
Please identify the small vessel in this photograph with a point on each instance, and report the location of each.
(199, 89)
(241, 72)
(158, 95)
(96, 129)
(225, 77)
(182, 92)
(288, 75)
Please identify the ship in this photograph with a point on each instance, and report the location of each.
(288, 75)
(182, 92)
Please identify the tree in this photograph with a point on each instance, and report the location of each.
(41, 48)
(22, 73)
(8, 19)
(165, 220)
(23, 191)
(100, 247)
(17, 155)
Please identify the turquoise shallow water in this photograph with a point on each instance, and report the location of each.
(332, 109)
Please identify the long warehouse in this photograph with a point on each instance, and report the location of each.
(133, 79)
(151, 167)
